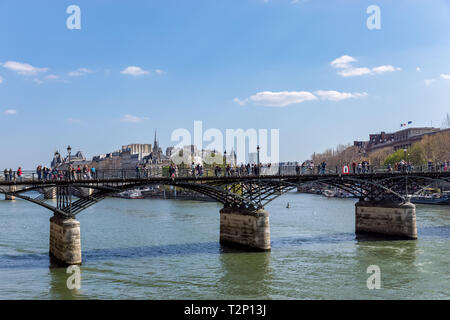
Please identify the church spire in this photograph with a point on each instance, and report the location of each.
(155, 143)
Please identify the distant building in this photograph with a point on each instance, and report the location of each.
(57, 160)
(232, 158)
(138, 148)
(128, 157)
(397, 140)
(169, 151)
(78, 159)
(156, 156)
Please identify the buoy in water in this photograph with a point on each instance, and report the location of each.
(287, 205)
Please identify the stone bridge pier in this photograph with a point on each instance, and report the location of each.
(386, 218)
(65, 241)
(11, 189)
(249, 229)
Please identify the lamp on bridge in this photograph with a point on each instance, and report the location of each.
(69, 150)
(257, 151)
(225, 157)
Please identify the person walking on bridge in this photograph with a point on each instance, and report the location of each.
(78, 172)
(5, 172)
(171, 171)
(39, 172)
(19, 173)
(138, 174)
(228, 170)
(193, 169)
(86, 172)
(10, 174)
(430, 165)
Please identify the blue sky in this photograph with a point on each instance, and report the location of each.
(232, 64)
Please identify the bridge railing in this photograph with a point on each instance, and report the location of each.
(210, 171)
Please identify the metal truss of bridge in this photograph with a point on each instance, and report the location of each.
(246, 192)
(383, 207)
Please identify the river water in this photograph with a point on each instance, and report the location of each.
(169, 249)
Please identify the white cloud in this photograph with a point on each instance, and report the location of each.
(281, 99)
(418, 69)
(1, 79)
(285, 98)
(338, 96)
(80, 72)
(134, 71)
(444, 76)
(278, 99)
(342, 62)
(23, 68)
(52, 77)
(240, 102)
(383, 69)
(132, 119)
(38, 81)
(348, 70)
(159, 71)
(352, 72)
(11, 112)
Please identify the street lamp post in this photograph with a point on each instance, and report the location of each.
(225, 163)
(257, 158)
(405, 169)
(259, 174)
(406, 160)
(69, 150)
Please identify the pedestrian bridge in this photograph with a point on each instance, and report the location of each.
(383, 208)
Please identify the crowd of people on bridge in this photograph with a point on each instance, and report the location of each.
(308, 167)
(402, 166)
(11, 175)
(79, 173)
(407, 166)
(197, 170)
(85, 172)
(361, 167)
